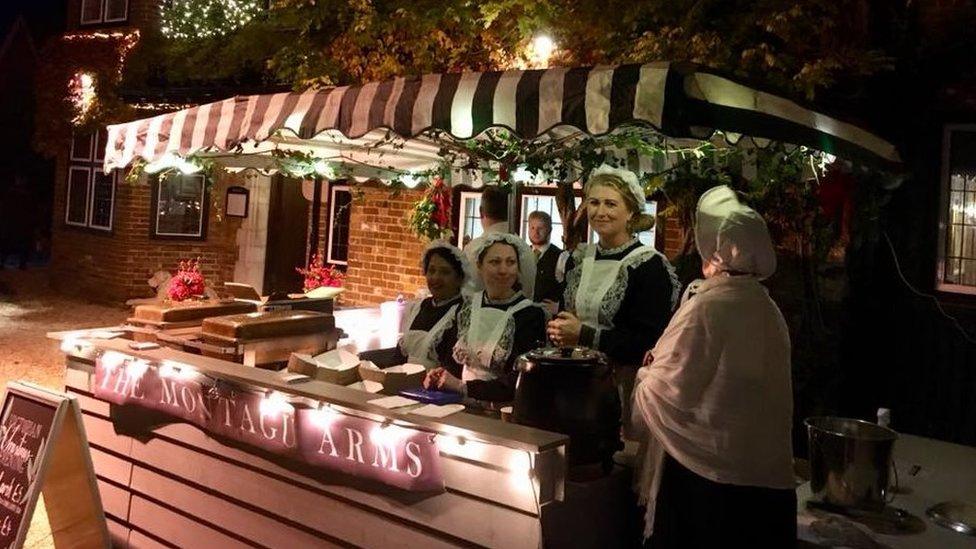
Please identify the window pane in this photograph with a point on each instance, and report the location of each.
(339, 240)
(971, 182)
(546, 204)
(969, 244)
(81, 147)
(77, 196)
(91, 11)
(955, 207)
(100, 140)
(969, 208)
(103, 195)
(967, 274)
(115, 10)
(958, 182)
(179, 211)
(470, 217)
(955, 240)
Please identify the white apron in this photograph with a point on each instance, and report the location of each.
(596, 279)
(485, 330)
(418, 345)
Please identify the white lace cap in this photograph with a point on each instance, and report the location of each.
(468, 271)
(526, 259)
(627, 176)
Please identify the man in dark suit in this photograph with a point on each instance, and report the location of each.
(547, 288)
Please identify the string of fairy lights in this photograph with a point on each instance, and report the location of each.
(201, 19)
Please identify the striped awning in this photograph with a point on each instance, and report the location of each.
(679, 101)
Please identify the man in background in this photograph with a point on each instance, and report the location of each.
(494, 219)
(548, 288)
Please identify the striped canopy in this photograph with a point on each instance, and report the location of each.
(678, 100)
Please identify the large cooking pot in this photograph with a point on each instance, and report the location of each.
(571, 390)
(850, 462)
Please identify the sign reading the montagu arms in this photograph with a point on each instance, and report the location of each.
(393, 455)
(43, 449)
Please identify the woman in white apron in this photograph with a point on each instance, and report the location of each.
(495, 325)
(715, 403)
(431, 330)
(619, 293)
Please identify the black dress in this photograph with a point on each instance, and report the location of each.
(546, 285)
(693, 511)
(427, 317)
(525, 332)
(636, 309)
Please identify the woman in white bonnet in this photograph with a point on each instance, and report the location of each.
(714, 399)
(431, 330)
(619, 292)
(495, 325)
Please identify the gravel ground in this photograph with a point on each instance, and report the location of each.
(28, 310)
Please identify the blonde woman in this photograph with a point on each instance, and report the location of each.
(619, 293)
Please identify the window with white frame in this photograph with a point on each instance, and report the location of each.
(340, 204)
(179, 206)
(957, 227)
(104, 11)
(469, 223)
(647, 238)
(90, 199)
(547, 204)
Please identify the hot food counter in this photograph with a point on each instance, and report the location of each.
(191, 450)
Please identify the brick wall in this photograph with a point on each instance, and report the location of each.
(384, 256)
(674, 236)
(113, 267)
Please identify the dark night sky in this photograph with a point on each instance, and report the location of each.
(43, 16)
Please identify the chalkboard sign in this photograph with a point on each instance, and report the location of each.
(43, 449)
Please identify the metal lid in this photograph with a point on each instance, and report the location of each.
(955, 515)
(571, 355)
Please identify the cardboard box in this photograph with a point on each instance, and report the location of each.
(335, 366)
(394, 378)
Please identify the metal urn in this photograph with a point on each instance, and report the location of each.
(571, 390)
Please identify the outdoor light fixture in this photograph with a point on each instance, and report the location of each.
(136, 368)
(82, 94)
(172, 161)
(324, 415)
(112, 360)
(324, 168)
(275, 403)
(410, 180)
(176, 370)
(542, 49)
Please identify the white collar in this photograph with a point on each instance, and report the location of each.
(500, 227)
(543, 249)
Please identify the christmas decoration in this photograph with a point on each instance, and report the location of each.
(201, 19)
(431, 215)
(318, 275)
(187, 283)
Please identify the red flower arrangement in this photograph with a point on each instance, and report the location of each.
(187, 282)
(318, 275)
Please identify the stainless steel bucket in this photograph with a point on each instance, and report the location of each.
(850, 462)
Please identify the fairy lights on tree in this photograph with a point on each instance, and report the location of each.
(194, 19)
